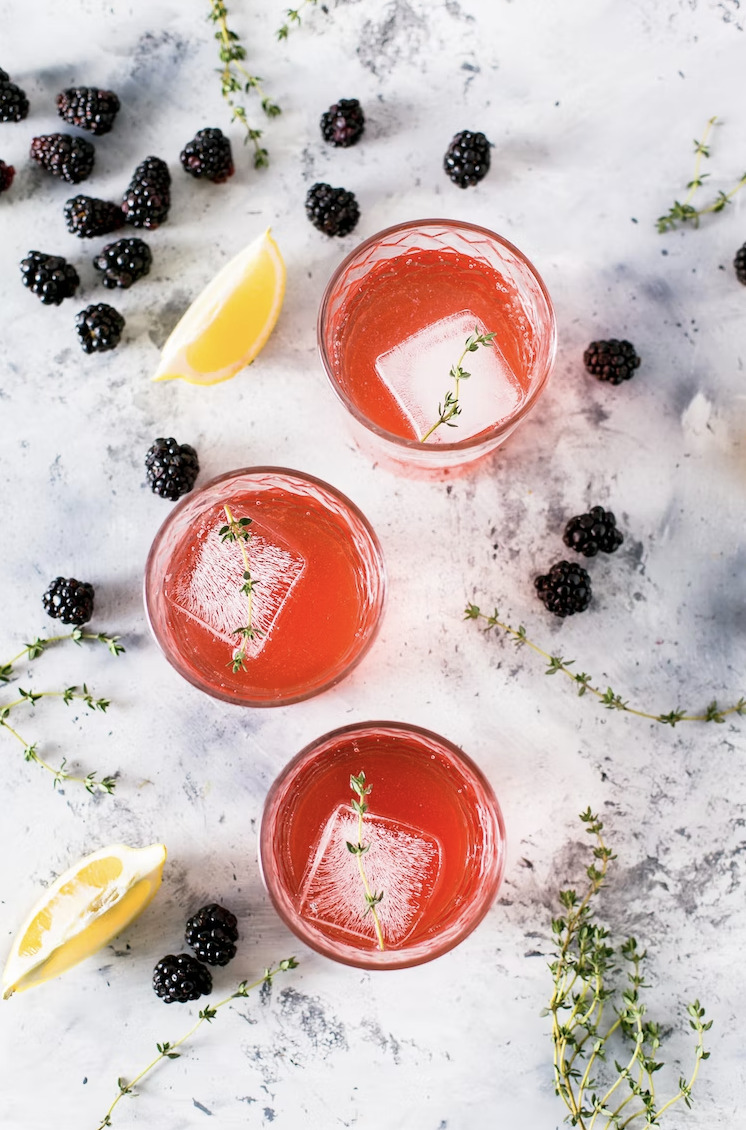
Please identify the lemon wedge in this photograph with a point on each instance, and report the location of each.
(230, 321)
(83, 910)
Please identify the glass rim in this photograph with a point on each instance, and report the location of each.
(186, 672)
(470, 916)
(505, 426)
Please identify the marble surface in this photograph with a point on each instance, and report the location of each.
(592, 110)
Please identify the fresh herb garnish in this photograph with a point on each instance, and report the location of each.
(608, 698)
(292, 17)
(684, 211)
(167, 1050)
(582, 1037)
(451, 406)
(237, 530)
(235, 79)
(359, 806)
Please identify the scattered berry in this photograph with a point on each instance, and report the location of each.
(99, 328)
(123, 262)
(613, 361)
(69, 600)
(343, 123)
(172, 468)
(467, 158)
(212, 934)
(13, 101)
(208, 155)
(64, 155)
(88, 108)
(333, 211)
(148, 197)
(49, 276)
(7, 172)
(181, 978)
(740, 264)
(87, 217)
(565, 589)
(594, 531)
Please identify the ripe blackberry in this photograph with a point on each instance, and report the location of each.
(467, 158)
(123, 262)
(212, 934)
(88, 108)
(594, 531)
(69, 600)
(49, 276)
(13, 100)
(613, 361)
(343, 123)
(87, 217)
(64, 155)
(333, 211)
(148, 196)
(7, 172)
(181, 978)
(208, 155)
(171, 468)
(99, 328)
(565, 589)
(740, 264)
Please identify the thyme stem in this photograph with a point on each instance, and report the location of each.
(684, 211)
(451, 406)
(292, 16)
(237, 530)
(359, 787)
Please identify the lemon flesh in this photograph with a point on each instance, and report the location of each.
(230, 321)
(83, 910)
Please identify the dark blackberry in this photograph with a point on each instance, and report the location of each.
(49, 276)
(208, 155)
(87, 217)
(565, 589)
(467, 158)
(99, 328)
(740, 264)
(613, 361)
(594, 531)
(64, 155)
(212, 934)
(148, 196)
(343, 123)
(181, 978)
(333, 211)
(69, 600)
(123, 262)
(172, 468)
(88, 108)
(7, 172)
(13, 100)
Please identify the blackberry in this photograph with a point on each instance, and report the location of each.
(88, 108)
(208, 155)
(594, 531)
(99, 328)
(64, 155)
(343, 123)
(613, 361)
(123, 262)
(172, 468)
(49, 276)
(13, 100)
(148, 196)
(740, 264)
(212, 934)
(87, 217)
(333, 211)
(181, 978)
(69, 600)
(467, 158)
(7, 172)
(565, 589)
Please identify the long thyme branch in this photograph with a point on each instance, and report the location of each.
(359, 806)
(684, 211)
(292, 17)
(608, 698)
(451, 406)
(237, 530)
(167, 1050)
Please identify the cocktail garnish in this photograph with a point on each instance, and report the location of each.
(237, 530)
(450, 406)
(359, 806)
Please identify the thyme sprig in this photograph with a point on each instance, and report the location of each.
(235, 79)
(608, 698)
(584, 960)
(167, 1050)
(237, 530)
(359, 806)
(31, 752)
(684, 211)
(292, 18)
(450, 406)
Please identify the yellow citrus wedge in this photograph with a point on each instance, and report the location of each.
(83, 910)
(230, 322)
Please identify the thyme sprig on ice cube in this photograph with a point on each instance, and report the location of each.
(451, 406)
(237, 530)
